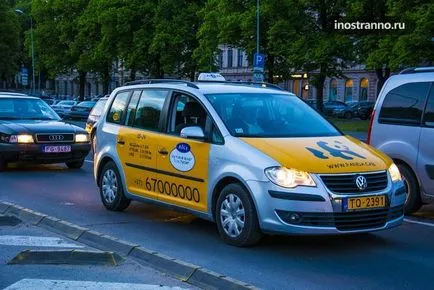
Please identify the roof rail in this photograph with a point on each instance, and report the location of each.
(160, 81)
(413, 70)
(259, 84)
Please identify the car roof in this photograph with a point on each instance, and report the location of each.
(209, 87)
(16, 95)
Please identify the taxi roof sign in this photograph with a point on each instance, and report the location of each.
(211, 77)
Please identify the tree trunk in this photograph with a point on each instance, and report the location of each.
(320, 87)
(105, 81)
(132, 74)
(82, 76)
(382, 76)
(270, 69)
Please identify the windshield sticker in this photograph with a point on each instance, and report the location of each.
(335, 149)
(182, 158)
(239, 130)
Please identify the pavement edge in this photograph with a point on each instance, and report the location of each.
(186, 272)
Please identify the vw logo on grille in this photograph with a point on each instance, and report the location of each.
(361, 182)
(56, 137)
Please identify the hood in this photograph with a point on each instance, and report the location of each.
(340, 154)
(38, 126)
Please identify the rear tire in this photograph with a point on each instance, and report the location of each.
(413, 202)
(237, 220)
(75, 164)
(111, 189)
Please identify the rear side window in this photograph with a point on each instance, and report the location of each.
(147, 115)
(404, 104)
(429, 112)
(118, 108)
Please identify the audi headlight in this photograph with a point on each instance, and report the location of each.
(290, 178)
(394, 173)
(21, 139)
(80, 138)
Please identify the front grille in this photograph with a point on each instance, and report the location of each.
(345, 221)
(55, 138)
(346, 183)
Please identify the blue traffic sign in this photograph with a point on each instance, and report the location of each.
(258, 60)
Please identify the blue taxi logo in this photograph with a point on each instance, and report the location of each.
(334, 149)
(183, 147)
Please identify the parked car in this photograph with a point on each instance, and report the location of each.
(63, 107)
(355, 109)
(402, 126)
(81, 110)
(94, 116)
(330, 106)
(31, 132)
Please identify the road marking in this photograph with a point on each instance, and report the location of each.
(419, 223)
(41, 284)
(35, 241)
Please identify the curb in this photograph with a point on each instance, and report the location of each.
(186, 272)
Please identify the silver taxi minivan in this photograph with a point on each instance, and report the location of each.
(251, 157)
(402, 126)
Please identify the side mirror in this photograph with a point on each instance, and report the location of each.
(193, 132)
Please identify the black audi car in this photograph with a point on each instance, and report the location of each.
(31, 132)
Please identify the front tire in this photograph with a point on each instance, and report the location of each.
(413, 202)
(111, 189)
(75, 164)
(237, 220)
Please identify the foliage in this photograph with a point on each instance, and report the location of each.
(9, 40)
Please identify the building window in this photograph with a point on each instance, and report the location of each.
(230, 57)
(220, 60)
(348, 96)
(296, 87)
(363, 91)
(65, 85)
(240, 57)
(333, 90)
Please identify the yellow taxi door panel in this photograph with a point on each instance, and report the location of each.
(182, 177)
(137, 151)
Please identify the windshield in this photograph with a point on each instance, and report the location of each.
(269, 115)
(99, 107)
(87, 104)
(23, 108)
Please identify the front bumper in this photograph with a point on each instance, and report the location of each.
(32, 153)
(317, 211)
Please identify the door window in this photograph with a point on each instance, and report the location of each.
(132, 108)
(118, 107)
(149, 108)
(186, 112)
(404, 104)
(429, 111)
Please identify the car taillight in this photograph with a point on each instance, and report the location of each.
(370, 127)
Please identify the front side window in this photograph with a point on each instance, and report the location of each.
(25, 109)
(429, 111)
(269, 116)
(117, 109)
(186, 112)
(147, 115)
(404, 104)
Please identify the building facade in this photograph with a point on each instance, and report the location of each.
(358, 84)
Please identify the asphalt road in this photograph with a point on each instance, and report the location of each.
(399, 258)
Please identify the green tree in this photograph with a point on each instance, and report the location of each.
(9, 43)
(56, 34)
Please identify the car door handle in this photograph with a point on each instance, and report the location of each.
(121, 142)
(163, 151)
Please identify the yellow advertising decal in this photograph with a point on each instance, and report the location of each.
(164, 167)
(342, 154)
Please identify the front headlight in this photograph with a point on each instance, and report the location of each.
(21, 139)
(290, 178)
(80, 138)
(394, 173)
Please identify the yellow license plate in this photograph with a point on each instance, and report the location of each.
(377, 201)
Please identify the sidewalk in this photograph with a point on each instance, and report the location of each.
(34, 258)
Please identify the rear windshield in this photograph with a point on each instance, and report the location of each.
(269, 116)
(99, 108)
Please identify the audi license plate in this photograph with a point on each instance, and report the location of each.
(366, 202)
(56, 149)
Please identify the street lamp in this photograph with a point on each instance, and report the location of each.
(33, 50)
